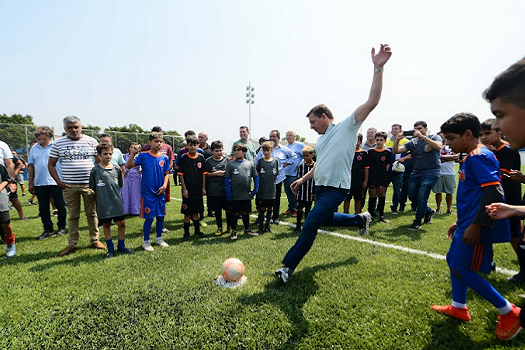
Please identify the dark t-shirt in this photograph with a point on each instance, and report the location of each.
(379, 161)
(359, 164)
(425, 159)
(215, 185)
(192, 170)
(509, 159)
(268, 172)
(107, 183)
(240, 175)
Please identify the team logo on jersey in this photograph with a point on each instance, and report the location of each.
(274, 171)
(100, 183)
(199, 165)
(235, 171)
(147, 210)
(263, 171)
(359, 158)
(383, 158)
(462, 175)
(161, 163)
(213, 169)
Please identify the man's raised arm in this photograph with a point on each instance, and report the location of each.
(379, 60)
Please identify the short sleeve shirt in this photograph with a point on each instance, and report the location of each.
(425, 159)
(77, 158)
(154, 168)
(268, 172)
(107, 183)
(5, 152)
(240, 175)
(193, 169)
(215, 184)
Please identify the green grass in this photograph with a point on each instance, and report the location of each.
(345, 294)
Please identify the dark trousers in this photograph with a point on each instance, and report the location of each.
(277, 203)
(44, 194)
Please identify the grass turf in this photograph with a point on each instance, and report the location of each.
(344, 295)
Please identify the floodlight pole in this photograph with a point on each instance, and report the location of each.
(250, 101)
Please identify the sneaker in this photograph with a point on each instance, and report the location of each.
(211, 214)
(393, 210)
(518, 278)
(287, 212)
(125, 250)
(297, 230)
(276, 221)
(294, 214)
(250, 233)
(165, 230)
(456, 312)
(260, 231)
(203, 224)
(438, 212)
(219, 232)
(428, 216)
(493, 266)
(23, 194)
(186, 238)
(110, 255)
(450, 212)
(147, 246)
(200, 235)
(46, 234)
(367, 218)
(11, 250)
(284, 274)
(401, 209)
(61, 232)
(233, 235)
(55, 212)
(509, 324)
(383, 219)
(268, 230)
(229, 230)
(160, 242)
(415, 226)
(30, 203)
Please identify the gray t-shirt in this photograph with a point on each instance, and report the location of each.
(268, 172)
(107, 183)
(250, 154)
(215, 184)
(425, 159)
(240, 175)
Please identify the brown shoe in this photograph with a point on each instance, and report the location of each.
(68, 250)
(98, 245)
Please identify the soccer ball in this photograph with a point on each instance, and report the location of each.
(232, 270)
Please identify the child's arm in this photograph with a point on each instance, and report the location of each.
(489, 195)
(365, 183)
(498, 211)
(255, 186)
(228, 188)
(3, 184)
(130, 162)
(162, 188)
(185, 193)
(203, 184)
(302, 180)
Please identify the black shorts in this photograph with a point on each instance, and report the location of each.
(192, 206)
(265, 203)
(13, 195)
(377, 180)
(217, 202)
(4, 218)
(356, 193)
(109, 220)
(241, 206)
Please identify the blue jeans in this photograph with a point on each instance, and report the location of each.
(419, 189)
(292, 202)
(327, 199)
(397, 182)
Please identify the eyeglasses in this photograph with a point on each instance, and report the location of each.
(40, 133)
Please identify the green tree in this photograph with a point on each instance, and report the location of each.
(17, 131)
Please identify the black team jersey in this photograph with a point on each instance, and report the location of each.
(360, 163)
(509, 159)
(192, 170)
(379, 161)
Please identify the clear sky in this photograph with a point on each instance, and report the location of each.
(186, 64)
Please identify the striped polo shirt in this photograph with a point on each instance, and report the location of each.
(77, 157)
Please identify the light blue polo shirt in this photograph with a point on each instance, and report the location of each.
(335, 152)
(297, 148)
(39, 158)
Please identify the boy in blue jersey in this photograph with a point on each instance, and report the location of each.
(155, 175)
(474, 232)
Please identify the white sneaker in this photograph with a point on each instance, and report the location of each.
(367, 218)
(161, 242)
(147, 246)
(284, 274)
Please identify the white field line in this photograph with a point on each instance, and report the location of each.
(390, 246)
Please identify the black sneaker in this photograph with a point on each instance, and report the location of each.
(110, 255)
(297, 230)
(61, 232)
(428, 216)
(415, 226)
(185, 238)
(233, 235)
(268, 230)
(46, 234)
(125, 250)
(383, 219)
(518, 278)
(200, 235)
(284, 274)
(55, 212)
(276, 221)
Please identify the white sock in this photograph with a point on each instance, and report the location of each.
(506, 309)
(458, 305)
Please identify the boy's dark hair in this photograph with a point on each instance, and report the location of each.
(399, 125)
(155, 135)
(509, 86)
(267, 146)
(156, 129)
(189, 132)
(103, 135)
(216, 144)
(319, 110)
(461, 122)
(360, 137)
(381, 134)
(487, 124)
(420, 122)
(192, 140)
(243, 148)
(101, 148)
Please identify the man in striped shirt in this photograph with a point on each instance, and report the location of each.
(76, 153)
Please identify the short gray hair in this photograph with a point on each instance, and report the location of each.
(71, 119)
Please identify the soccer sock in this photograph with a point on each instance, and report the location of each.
(299, 220)
(307, 208)
(197, 226)
(505, 309)
(160, 226)
(218, 217)
(372, 204)
(120, 244)
(521, 256)
(458, 305)
(246, 221)
(147, 228)
(381, 206)
(228, 219)
(268, 218)
(186, 229)
(483, 288)
(261, 219)
(233, 223)
(10, 239)
(110, 245)
(459, 289)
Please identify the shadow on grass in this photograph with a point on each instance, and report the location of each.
(291, 298)
(447, 334)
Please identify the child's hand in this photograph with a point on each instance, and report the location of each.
(185, 193)
(451, 230)
(472, 234)
(203, 192)
(161, 190)
(498, 211)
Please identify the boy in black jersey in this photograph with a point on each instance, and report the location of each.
(268, 169)
(509, 160)
(378, 179)
(306, 192)
(215, 189)
(192, 177)
(360, 169)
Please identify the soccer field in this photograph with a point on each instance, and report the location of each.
(350, 292)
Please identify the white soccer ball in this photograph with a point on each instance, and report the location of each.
(232, 270)
(398, 167)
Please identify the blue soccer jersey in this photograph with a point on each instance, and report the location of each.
(480, 169)
(154, 168)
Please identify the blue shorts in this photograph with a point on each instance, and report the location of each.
(464, 257)
(152, 207)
